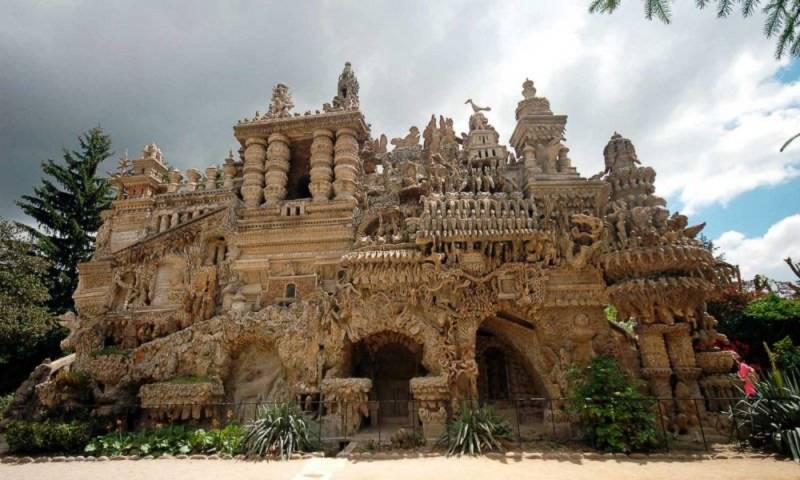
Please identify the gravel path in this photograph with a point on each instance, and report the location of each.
(408, 469)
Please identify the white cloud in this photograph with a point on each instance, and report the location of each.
(764, 255)
(698, 97)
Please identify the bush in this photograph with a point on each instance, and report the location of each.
(171, 440)
(279, 430)
(613, 413)
(47, 436)
(771, 418)
(757, 322)
(5, 401)
(787, 355)
(475, 430)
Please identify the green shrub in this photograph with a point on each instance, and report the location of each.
(47, 436)
(613, 413)
(771, 418)
(171, 440)
(5, 401)
(474, 431)
(279, 430)
(787, 354)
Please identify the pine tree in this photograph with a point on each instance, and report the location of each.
(66, 207)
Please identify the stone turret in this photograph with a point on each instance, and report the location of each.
(660, 276)
(539, 139)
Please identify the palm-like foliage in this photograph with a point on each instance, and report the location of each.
(771, 418)
(782, 19)
(474, 431)
(279, 430)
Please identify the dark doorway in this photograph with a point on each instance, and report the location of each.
(494, 364)
(391, 360)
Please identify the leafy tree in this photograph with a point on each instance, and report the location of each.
(765, 320)
(67, 207)
(783, 17)
(28, 332)
(613, 413)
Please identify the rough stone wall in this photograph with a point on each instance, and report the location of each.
(424, 245)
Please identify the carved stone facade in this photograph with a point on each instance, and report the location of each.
(317, 264)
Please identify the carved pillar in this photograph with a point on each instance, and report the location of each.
(163, 223)
(690, 401)
(175, 178)
(431, 395)
(253, 172)
(321, 161)
(228, 172)
(345, 163)
(531, 168)
(655, 360)
(278, 155)
(193, 178)
(211, 178)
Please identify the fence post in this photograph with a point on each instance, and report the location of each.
(661, 421)
(378, 420)
(700, 422)
(552, 416)
(516, 415)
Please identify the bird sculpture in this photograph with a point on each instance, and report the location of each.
(476, 108)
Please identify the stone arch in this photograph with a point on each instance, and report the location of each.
(522, 345)
(390, 360)
(428, 340)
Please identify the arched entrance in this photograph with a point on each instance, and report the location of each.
(502, 374)
(391, 360)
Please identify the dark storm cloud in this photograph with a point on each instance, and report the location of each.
(182, 73)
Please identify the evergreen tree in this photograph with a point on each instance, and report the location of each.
(28, 332)
(783, 17)
(66, 207)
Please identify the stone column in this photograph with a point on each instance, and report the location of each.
(277, 175)
(253, 172)
(531, 169)
(211, 178)
(175, 178)
(321, 162)
(193, 178)
(228, 174)
(655, 360)
(345, 163)
(684, 364)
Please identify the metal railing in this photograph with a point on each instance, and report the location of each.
(684, 422)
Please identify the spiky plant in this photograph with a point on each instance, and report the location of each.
(771, 418)
(475, 430)
(278, 430)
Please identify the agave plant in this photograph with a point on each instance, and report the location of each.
(279, 430)
(771, 418)
(474, 431)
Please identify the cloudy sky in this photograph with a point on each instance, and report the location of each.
(703, 99)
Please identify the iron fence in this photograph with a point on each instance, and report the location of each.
(682, 422)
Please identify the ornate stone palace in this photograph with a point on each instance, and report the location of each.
(320, 262)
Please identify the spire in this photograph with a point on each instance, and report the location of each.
(619, 153)
(347, 90)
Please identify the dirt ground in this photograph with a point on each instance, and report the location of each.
(407, 469)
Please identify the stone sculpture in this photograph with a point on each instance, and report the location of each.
(440, 273)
